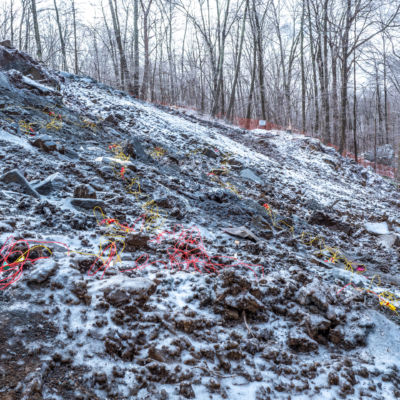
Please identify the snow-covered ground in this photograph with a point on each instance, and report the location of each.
(272, 323)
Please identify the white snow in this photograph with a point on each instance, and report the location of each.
(378, 228)
(8, 137)
(37, 85)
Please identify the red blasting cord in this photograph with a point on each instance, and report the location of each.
(13, 271)
(189, 253)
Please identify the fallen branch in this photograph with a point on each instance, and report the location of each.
(247, 326)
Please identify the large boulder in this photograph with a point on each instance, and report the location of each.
(13, 59)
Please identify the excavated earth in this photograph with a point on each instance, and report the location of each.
(263, 318)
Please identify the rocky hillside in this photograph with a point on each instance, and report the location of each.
(149, 254)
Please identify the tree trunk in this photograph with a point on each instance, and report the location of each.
(253, 78)
(326, 80)
(124, 74)
(237, 69)
(355, 108)
(12, 20)
(136, 87)
(385, 91)
(76, 65)
(221, 52)
(335, 136)
(303, 74)
(345, 79)
(379, 106)
(24, 6)
(314, 71)
(36, 28)
(146, 71)
(62, 42)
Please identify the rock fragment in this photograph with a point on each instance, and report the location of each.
(299, 341)
(53, 182)
(44, 142)
(15, 176)
(242, 232)
(249, 174)
(121, 291)
(84, 192)
(87, 204)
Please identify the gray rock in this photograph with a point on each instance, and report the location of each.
(210, 153)
(22, 62)
(84, 192)
(244, 301)
(44, 142)
(4, 83)
(390, 240)
(53, 182)
(186, 390)
(135, 241)
(242, 232)
(135, 149)
(299, 341)
(70, 153)
(42, 271)
(249, 174)
(87, 204)
(112, 119)
(377, 228)
(15, 177)
(120, 292)
(6, 43)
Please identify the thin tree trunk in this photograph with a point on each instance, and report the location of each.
(375, 140)
(303, 74)
(379, 106)
(124, 74)
(385, 91)
(253, 78)
(146, 71)
(12, 20)
(345, 79)
(334, 96)
(24, 6)
(326, 80)
(136, 86)
(237, 69)
(76, 64)
(36, 28)
(355, 109)
(27, 30)
(62, 42)
(221, 52)
(314, 72)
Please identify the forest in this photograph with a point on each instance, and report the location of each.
(330, 68)
(198, 199)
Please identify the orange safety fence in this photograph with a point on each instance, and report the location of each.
(381, 169)
(252, 123)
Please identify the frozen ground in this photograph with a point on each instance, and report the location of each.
(187, 310)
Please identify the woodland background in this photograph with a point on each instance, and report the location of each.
(327, 67)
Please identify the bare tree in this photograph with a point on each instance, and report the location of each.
(36, 27)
